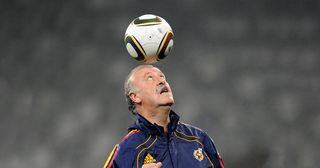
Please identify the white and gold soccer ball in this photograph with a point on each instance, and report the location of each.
(149, 38)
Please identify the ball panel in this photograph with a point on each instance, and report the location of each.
(147, 16)
(147, 20)
(164, 45)
(141, 54)
(132, 51)
(169, 47)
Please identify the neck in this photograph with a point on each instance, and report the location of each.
(159, 116)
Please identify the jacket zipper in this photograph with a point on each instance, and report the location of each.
(168, 147)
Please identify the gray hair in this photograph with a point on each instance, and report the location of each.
(131, 88)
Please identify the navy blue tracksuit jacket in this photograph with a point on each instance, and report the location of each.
(184, 146)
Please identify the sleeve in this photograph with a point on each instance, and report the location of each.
(110, 163)
(120, 157)
(212, 152)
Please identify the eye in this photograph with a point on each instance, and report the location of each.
(162, 76)
(149, 77)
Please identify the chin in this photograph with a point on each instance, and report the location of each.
(170, 103)
(166, 102)
(166, 107)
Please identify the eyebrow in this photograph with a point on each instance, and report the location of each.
(146, 74)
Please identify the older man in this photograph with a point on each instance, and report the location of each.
(157, 138)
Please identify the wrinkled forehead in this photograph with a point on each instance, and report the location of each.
(140, 72)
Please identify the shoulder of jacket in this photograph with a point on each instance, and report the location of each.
(190, 130)
(131, 139)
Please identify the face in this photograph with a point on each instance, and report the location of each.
(153, 89)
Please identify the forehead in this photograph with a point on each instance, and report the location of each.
(146, 70)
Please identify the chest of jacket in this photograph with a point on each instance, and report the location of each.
(175, 151)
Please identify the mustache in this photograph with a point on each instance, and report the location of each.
(162, 88)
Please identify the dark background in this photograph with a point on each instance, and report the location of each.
(245, 71)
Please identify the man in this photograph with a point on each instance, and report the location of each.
(157, 138)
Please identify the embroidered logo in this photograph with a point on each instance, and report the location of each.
(198, 154)
(149, 159)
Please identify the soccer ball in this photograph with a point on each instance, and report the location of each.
(149, 38)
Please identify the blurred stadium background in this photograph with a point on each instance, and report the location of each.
(245, 71)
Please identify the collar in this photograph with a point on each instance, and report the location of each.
(153, 129)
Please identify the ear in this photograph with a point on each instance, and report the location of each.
(135, 98)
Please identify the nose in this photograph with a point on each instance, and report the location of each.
(162, 81)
